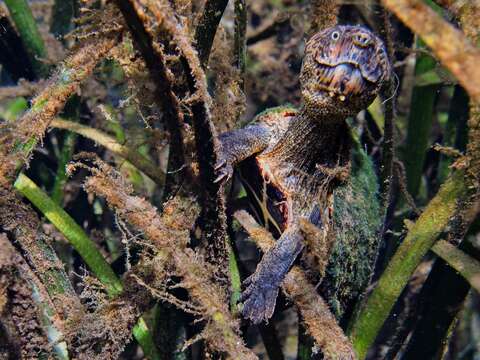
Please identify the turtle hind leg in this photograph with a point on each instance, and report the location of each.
(262, 286)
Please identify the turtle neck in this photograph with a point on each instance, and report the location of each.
(312, 142)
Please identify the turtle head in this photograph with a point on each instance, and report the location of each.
(343, 70)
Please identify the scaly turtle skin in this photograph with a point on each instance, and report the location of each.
(291, 161)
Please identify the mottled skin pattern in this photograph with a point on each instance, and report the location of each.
(291, 162)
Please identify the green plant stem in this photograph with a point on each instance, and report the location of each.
(72, 231)
(86, 248)
(464, 264)
(141, 162)
(419, 126)
(410, 253)
(455, 132)
(235, 280)
(28, 30)
(72, 111)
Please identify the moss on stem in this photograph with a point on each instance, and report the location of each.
(419, 240)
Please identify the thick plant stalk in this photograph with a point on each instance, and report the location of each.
(319, 321)
(212, 219)
(26, 322)
(54, 292)
(142, 163)
(17, 146)
(85, 247)
(28, 30)
(38, 253)
(449, 44)
(419, 240)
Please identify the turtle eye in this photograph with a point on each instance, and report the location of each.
(335, 35)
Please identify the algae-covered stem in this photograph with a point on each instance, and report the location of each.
(419, 240)
(32, 126)
(164, 96)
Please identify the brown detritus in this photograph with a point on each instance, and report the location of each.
(324, 14)
(20, 313)
(169, 236)
(319, 320)
(450, 45)
(467, 12)
(104, 332)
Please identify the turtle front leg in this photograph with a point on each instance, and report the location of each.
(237, 145)
(262, 286)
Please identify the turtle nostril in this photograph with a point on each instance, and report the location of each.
(361, 39)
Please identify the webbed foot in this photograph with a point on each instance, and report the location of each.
(259, 298)
(262, 287)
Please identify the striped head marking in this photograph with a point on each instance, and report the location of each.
(343, 70)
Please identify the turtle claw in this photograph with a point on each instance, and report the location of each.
(220, 178)
(259, 301)
(223, 170)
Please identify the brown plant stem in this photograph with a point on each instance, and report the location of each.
(163, 93)
(449, 44)
(239, 41)
(212, 219)
(387, 94)
(319, 321)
